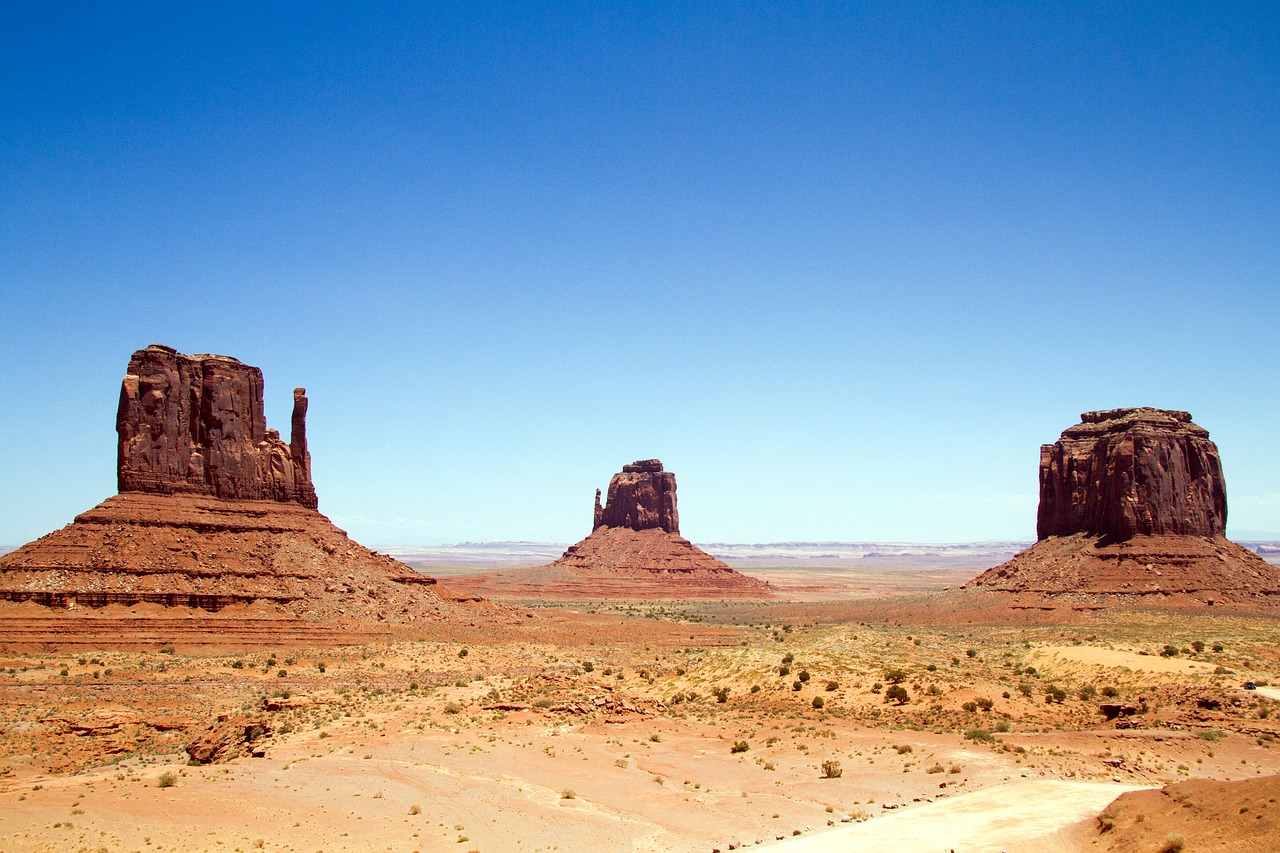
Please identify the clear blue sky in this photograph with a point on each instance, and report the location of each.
(842, 267)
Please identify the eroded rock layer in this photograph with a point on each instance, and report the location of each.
(194, 551)
(1125, 472)
(1173, 569)
(195, 424)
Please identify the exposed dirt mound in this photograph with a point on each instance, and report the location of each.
(1167, 570)
(1199, 815)
(618, 562)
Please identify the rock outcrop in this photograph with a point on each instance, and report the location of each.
(635, 551)
(215, 511)
(642, 496)
(1125, 472)
(195, 424)
(1133, 505)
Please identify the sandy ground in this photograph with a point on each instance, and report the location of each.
(1017, 817)
(602, 728)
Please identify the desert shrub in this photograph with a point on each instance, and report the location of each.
(818, 702)
(166, 649)
(655, 737)
(415, 809)
(933, 667)
(904, 748)
(462, 653)
(1211, 735)
(897, 693)
(804, 675)
(1110, 692)
(1173, 843)
(1198, 645)
(784, 671)
(588, 666)
(832, 686)
(1169, 651)
(568, 794)
(1054, 693)
(1087, 692)
(877, 687)
(1031, 670)
(167, 779)
(722, 694)
(1002, 726)
(979, 736)
(985, 704)
(895, 676)
(755, 688)
(237, 664)
(797, 684)
(936, 768)
(970, 706)
(831, 769)
(739, 746)
(972, 653)
(788, 658)
(1217, 647)
(452, 707)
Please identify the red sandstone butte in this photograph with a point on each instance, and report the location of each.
(1133, 503)
(635, 551)
(195, 424)
(214, 510)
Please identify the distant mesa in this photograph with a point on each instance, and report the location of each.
(214, 510)
(1133, 503)
(635, 551)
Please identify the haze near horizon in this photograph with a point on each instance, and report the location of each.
(842, 269)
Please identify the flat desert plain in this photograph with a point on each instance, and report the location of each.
(798, 724)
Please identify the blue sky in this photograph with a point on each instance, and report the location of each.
(842, 267)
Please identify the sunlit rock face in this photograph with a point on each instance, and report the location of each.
(195, 424)
(1128, 472)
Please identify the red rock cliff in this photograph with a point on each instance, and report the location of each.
(195, 424)
(1125, 472)
(641, 497)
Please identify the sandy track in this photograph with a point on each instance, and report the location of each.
(1022, 816)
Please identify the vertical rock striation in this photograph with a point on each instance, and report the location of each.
(195, 424)
(1125, 472)
(641, 497)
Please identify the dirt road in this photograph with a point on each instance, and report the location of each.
(1021, 816)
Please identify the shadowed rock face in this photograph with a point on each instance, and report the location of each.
(641, 497)
(195, 424)
(1127, 472)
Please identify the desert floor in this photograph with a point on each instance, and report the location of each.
(640, 726)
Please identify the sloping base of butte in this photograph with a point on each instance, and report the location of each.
(617, 562)
(192, 551)
(1161, 570)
